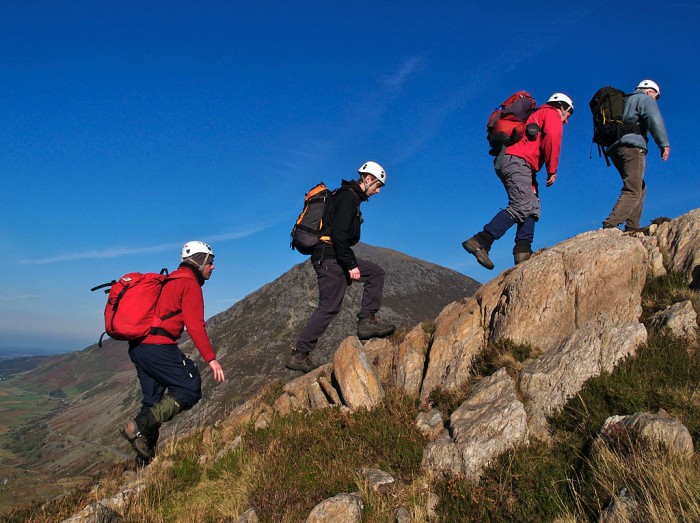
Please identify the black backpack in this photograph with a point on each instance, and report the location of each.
(607, 107)
(306, 232)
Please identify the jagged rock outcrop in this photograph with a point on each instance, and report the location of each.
(358, 380)
(679, 240)
(410, 361)
(591, 281)
(492, 421)
(546, 383)
(679, 319)
(576, 306)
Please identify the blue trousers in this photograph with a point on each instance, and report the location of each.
(161, 367)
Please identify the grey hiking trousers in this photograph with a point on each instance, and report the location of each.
(332, 284)
(519, 182)
(630, 162)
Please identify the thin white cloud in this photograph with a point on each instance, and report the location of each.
(117, 252)
(406, 70)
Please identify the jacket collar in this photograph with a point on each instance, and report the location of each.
(355, 186)
(198, 275)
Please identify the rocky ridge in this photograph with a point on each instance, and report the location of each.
(576, 306)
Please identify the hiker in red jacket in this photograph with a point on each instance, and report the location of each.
(517, 167)
(160, 364)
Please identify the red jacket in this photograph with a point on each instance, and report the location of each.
(546, 147)
(183, 292)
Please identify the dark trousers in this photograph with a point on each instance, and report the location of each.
(332, 283)
(161, 367)
(630, 162)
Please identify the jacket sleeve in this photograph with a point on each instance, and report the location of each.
(193, 316)
(342, 233)
(649, 111)
(550, 146)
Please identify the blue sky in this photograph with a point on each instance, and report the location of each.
(129, 128)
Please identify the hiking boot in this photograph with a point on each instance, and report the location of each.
(607, 225)
(132, 434)
(480, 252)
(520, 257)
(632, 230)
(372, 327)
(521, 252)
(300, 361)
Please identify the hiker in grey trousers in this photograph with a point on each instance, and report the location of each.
(629, 154)
(337, 267)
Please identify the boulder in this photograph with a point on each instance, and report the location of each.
(375, 478)
(410, 361)
(359, 382)
(317, 397)
(345, 508)
(430, 424)
(490, 422)
(380, 352)
(442, 456)
(679, 319)
(458, 338)
(660, 428)
(546, 383)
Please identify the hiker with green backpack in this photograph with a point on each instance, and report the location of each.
(335, 221)
(640, 117)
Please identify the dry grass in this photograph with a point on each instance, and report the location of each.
(664, 487)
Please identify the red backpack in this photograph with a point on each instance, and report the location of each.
(130, 313)
(506, 125)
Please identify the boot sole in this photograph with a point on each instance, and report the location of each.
(484, 262)
(380, 334)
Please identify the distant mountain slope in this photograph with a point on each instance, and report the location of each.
(251, 339)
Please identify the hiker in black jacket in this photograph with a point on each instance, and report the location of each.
(337, 267)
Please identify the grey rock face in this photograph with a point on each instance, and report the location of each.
(660, 428)
(679, 240)
(680, 319)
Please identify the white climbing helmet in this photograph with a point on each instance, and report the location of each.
(195, 247)
(561, 97)
(375, 170)
(649, 84)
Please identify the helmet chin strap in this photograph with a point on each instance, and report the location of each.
(200, 267)
(366, 186)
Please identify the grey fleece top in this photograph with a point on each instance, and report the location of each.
(642, 108)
